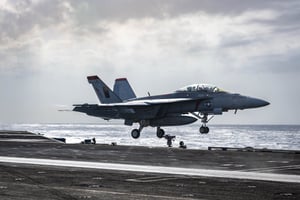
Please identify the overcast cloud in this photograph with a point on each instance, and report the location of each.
(48, 47)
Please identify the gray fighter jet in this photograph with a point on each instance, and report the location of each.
(184, 106)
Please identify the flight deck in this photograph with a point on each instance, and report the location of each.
(35, 167)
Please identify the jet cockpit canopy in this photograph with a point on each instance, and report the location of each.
(199, 87)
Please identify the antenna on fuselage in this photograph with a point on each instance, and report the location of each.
(149, 94)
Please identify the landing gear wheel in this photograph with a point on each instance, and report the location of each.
(204, 129)
(160, 133)
(135, 133)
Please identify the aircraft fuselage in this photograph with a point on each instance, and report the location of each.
(184, 106)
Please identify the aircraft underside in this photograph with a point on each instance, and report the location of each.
(171, 121)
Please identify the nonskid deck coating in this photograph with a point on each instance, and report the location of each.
(23, 181)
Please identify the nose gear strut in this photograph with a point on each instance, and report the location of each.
(204, 119)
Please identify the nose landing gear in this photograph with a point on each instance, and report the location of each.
(204, 119)
(203, 129)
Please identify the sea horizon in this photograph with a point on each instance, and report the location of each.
(263, 136)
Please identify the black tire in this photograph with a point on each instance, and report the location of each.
(135, 133)
(206, 129)
(160, 133)
(202, 130)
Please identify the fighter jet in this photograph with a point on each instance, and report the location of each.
(184, 106)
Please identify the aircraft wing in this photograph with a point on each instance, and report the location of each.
(148, 102)
(140, 109)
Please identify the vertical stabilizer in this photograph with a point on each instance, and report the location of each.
(104, 93)
(123, 89)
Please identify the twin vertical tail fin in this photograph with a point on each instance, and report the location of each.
(104, 93)
(123, 89)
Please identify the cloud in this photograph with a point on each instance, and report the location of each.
(121, 28)
(53, 33)
(19, 18)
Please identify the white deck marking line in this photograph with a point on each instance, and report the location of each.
(151, 179)
(273, 168)
(156, 169)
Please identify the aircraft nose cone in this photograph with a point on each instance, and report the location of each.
(265, 103)
(255, 103)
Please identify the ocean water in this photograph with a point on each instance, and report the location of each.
(256, 136)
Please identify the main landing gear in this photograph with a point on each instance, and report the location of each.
(160, 133)
(135, 133)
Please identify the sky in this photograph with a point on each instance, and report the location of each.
(48, 47)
